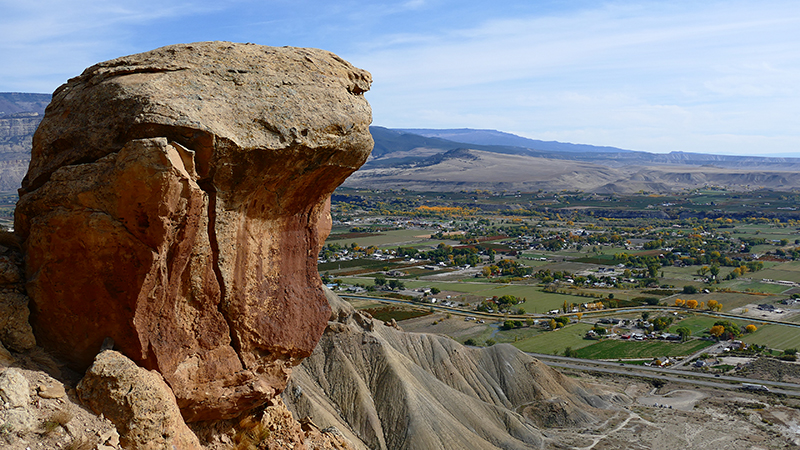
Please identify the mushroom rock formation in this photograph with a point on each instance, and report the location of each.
(176, 201)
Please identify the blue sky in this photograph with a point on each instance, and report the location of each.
(711, 77)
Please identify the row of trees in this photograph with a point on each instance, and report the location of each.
(713, 305)
(726, 330)
(507, 267)
(382, 282)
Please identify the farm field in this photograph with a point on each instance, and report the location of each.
(775, 336)
(755, 286)
(617, 349)
(788, 271)
(556, 341)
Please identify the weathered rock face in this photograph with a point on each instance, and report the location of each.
(139, 403)
(176, 202)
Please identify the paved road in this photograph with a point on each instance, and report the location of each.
(679, 376)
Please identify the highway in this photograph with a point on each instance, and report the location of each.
(666, 374)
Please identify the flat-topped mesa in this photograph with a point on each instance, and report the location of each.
(176, 202)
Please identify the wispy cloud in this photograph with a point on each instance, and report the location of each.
(639, 74)
(624, 76)
(42, 39)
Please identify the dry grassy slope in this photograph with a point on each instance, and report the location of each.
(502, 171)
(387, 389)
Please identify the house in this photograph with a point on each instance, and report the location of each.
(661, 362)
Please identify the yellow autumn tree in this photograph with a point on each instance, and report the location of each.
(679, 302)
(691, 304)
(750, 328)
(717, 330)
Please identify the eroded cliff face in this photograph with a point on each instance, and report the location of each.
(389, 389)
(176, 202)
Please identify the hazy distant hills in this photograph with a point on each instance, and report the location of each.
(20, 102)
(494, 137)
(464, 159)
(427, 161)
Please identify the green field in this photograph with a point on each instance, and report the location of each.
(789, 271)
(700, 323)
(618, 349)
(775, 336)
(556, 341)
(755, 286)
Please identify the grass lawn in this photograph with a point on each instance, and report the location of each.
(556, 341)
(618, 349)
(775, 336)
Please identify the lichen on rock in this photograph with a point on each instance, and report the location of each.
(176, 202)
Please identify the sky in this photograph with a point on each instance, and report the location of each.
(720, 77)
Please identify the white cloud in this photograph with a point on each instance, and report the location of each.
(654, 78)
(645, 75)
(44, 42)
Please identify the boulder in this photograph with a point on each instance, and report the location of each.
(15, 330)
(176, 202)
(14, 389)
(15, 398)
(138, 402)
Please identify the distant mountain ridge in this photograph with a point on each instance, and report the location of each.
(494, 137)
(403, 159)
(390, 142)
(21, 102)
